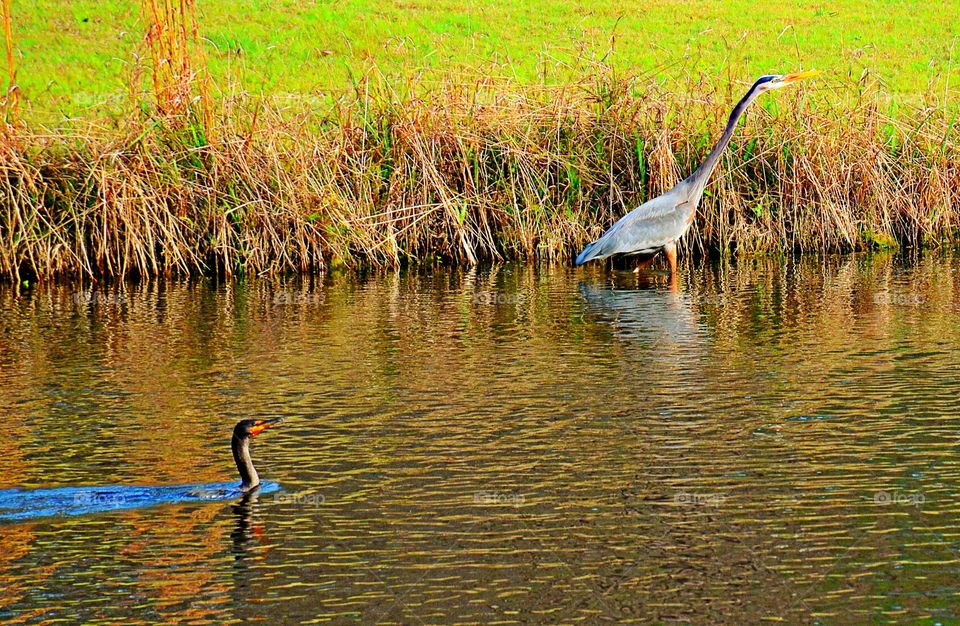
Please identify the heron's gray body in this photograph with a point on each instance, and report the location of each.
(648, 228)
(658, 224)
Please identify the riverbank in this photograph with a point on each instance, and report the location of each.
(467, 171)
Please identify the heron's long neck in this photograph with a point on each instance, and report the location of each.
(700, 177)
(241, 454)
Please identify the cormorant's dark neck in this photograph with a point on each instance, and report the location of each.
(241, 454)
(700, 177)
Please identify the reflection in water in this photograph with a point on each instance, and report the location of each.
(772, 441)
(244, 532)
(663, 319)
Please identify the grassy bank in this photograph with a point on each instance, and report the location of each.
(475, 170)
(193, 175)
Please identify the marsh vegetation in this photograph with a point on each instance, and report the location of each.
(193, 174)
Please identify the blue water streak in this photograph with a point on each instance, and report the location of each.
(19, 504)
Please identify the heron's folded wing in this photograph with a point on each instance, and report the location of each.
(648, 227)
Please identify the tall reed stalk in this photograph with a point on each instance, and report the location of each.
(12, 96)
(178, 62)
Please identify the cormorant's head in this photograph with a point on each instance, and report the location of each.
(776, 81)
(252, 428)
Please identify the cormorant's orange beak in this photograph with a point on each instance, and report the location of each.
(262, 425)
(789, 78)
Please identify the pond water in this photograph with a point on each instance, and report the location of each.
(776, 439)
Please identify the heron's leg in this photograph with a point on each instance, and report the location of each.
(671, 251)
(642, 264)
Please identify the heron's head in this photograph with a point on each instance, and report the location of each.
(252, 428)
(776, 81)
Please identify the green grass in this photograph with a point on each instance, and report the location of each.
(75, 56)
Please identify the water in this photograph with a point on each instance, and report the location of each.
(776, 440)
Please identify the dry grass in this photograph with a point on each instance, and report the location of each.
(473, 168)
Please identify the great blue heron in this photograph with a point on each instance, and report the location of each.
(658, 224)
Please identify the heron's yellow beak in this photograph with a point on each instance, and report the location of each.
(789, 78)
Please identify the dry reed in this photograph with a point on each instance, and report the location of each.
(11, 98)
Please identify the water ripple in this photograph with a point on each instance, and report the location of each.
(774, 441)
